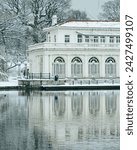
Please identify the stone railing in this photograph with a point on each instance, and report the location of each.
(73, 45)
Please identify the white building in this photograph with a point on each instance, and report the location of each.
(78, 49)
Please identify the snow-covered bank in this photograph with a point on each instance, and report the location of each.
(41, 85)
(10, 83)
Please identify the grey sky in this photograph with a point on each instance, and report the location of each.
(92, 7)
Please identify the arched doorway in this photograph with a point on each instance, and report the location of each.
(93, 67)
(59, 67)
(110, 67)
(76, 67)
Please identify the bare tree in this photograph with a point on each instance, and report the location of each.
(12, 40)
(22, 22)
(42, 12)
(77, 15)
(36, 14)
(111, 11)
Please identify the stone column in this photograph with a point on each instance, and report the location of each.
(46, 64)
(50, 65)
(107, 39)
(102, 67)
(68, 67)
(85, 66)
(118, 66)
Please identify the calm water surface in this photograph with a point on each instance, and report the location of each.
(72, 120)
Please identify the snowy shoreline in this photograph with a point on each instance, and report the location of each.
(15, 86)
(10, 83)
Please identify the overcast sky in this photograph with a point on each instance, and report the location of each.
(92, 7)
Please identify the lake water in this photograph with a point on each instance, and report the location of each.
(70, 120)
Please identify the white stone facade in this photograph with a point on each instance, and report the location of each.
(78, 49)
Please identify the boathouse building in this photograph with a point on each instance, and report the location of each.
(80, 49)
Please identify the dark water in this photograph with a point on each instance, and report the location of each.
(87, 120)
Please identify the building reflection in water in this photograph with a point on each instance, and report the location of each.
(94, 102)
(111, 102)
(78, 116)
(59, 105)
(61, 120)
(77, 104)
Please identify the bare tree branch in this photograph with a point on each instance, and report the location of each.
(111, 11)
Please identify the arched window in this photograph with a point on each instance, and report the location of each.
(59, 67)
(110, 67)
(76, 67)
(93, 67)
(59, 59)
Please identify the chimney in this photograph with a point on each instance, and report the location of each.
(54, 20)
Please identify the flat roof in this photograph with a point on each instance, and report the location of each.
(85, 24)
(91, 24)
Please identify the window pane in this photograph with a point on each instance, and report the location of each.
(117, 39)
(102, 39)
(79, 37)
(67, 38)
(111, 39)
(95, 39)
(87, 38)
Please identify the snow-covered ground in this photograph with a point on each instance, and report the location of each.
(11, 82)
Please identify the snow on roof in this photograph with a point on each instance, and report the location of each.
(86, 24)
(91, 24)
